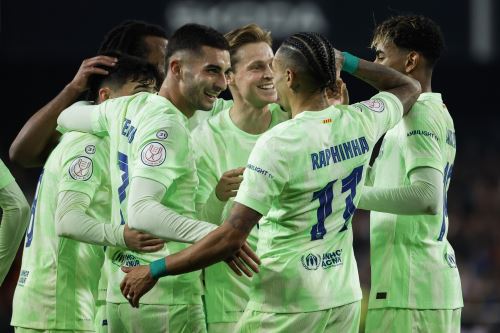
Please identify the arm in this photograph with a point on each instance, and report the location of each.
(424, 196)
(222, 243)
(146, 213)
(15, 219)
(73, 222)
(78, 117)
(387, 79)
(38, 136)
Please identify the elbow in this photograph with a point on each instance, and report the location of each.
(432, 208)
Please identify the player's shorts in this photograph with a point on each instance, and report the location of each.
(222, 327)
(343, 319)
(101, 318)
(32, 330)
(123, 318)
(386, 320)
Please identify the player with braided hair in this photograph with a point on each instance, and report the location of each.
(301, 185)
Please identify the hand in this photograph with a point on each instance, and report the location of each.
(243, 258)
(88, 68)
(141, 241)
(136, 283)
(340, 96)
(229, 184)
(339, 61)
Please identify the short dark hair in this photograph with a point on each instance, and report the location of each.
(413, 32)
(127, 68)
(192, 37)
(315, 56)
(128, 38)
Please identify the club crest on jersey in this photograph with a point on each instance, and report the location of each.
(90, 149)
(81, 168)
(376, 105)
(162, 134)
(153, 154)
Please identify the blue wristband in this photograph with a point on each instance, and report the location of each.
(158, 268)
(351, 63)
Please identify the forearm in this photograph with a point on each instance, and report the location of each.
(211, 210)
(423, 197)
(15, 219)
(147, 214)
(72, 222)
(37, 137)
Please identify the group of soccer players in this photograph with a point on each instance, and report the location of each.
(152, 160)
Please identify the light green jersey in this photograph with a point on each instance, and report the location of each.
(413, 264)
(305, 177)
(221, 146)
(58, 280)
(149, 138)
(200, 116)
(5, 175)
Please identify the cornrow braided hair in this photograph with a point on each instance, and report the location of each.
(128, 38)
(319, 55)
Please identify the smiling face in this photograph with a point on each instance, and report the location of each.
(252, 77)
(203, 77)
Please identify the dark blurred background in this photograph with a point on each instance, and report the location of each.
(44, 43)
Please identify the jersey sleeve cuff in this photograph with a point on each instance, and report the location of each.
(252, 203)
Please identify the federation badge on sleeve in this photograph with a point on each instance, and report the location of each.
(153, 154)
(162, 134)
(376, 105)
(81, 168)
(90, 149)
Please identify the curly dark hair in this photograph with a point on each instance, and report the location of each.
(413, 32)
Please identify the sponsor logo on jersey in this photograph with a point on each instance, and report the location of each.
(450, 259)
(327, 260)
(424, 133)
(90, 149)
(162, 134)
(81, 168)
(376, 105)
(259, 170)
(23, 276)
(125, 259)
(153, 154)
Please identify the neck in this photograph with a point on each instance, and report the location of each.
(425, 79)
(315, 101)
(248, 118)
(171, 91)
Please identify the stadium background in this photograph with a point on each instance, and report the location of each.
(43, 44)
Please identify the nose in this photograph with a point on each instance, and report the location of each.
(268, 73)
(221, 82)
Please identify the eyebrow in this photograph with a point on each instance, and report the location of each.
(378, 52)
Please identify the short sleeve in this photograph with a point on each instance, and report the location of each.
(5, 175)
(84, 164)
(162, 150)
(265, 176)
(421, 139)
(379, 114)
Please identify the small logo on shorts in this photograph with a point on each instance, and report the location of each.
(450, 259)
(153, 154)
(162, 134)
(90, 149)
(311, 262)
(81, 168)
(376, 105)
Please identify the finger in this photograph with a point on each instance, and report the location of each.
(126, 290)
(248, 250)
(152, 248)
(147, 239)
(135, 300)
(101, 60)
(248, 261)
(233, 187)
(242, 267)
(96, 70)
(233, 266)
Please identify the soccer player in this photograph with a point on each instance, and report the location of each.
(154, 175)
(222, 146)
(415, 284)
(15, 217)
(38, 137)
(303, 177)
(59, 275)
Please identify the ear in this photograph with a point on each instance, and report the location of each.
(412, 61)
(175, 67)
(230, 78)
(104, 94)
(291, 78)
